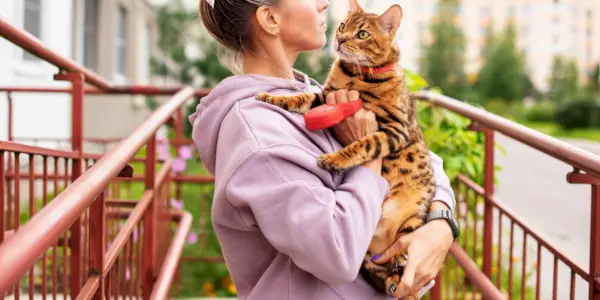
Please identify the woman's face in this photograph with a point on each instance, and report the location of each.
(303, 24)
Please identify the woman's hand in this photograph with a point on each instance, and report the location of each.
(426, 247)
(356, 126)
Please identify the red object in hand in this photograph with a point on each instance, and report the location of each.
(327, 115)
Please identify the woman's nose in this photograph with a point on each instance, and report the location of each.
(323, 5)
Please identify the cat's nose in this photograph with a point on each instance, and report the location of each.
(341, 41)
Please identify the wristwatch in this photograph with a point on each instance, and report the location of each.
(446, 215)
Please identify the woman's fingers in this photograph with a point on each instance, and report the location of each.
(330, 99)
(341, 96)
(353, 95)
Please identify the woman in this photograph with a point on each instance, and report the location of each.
(289, 229)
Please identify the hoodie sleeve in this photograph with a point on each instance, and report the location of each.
(443, 191)
(325, 232)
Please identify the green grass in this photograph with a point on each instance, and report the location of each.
(554, 130)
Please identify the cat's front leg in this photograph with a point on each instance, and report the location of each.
(376, 145)
(300, 103)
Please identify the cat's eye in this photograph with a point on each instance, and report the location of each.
(363, 34)
(342, 26)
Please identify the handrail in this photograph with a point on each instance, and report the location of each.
(472, 271)
(19, 253)
(576, 157)
(33, 45)
(114, 90)
(169, 267)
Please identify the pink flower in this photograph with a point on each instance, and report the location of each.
(192, 238)
(176, 204)
(160, 138)
(127, 274)
(163, 152)
(178, 165)
(185, 152)
(135, 234)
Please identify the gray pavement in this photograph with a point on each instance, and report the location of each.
(534, 186)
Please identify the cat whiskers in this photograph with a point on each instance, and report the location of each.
(357, 65)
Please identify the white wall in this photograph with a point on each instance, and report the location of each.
(36, 115)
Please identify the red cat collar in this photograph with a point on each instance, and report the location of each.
(327, 115)
(376, 70)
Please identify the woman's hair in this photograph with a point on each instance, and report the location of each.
(229, 21)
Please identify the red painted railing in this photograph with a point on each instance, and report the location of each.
(92, 238)
(83, 237)
(482, 216)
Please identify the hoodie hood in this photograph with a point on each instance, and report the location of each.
(211, 111)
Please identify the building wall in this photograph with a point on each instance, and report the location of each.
(545, 28)
(117, 116)
(35, 115)
(49, 115)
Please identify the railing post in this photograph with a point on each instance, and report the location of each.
(10, 116)
(576, 177)
(488, 216)
(97, 243)
(77, 91)
(488, 190)
(178, 129)
(436, 290)
(149, 263)
(595, 243)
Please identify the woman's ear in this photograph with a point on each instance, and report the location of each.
(390, 20)
(268, 20)
(354, 7)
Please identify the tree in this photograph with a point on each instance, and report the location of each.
(442, 61)
(593, 81)
(503, 75)
(564, 80)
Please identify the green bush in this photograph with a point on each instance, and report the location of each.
(506, 109)
(541, 112)
(579, 114)
(447, 134)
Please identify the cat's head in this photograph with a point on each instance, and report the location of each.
(368, 39)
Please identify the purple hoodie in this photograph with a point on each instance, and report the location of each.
(287, 228)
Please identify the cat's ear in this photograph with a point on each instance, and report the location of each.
(390, 20)
(354, 7)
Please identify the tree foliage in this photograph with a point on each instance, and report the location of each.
(564, 80)
(442, 60)
(503, 75)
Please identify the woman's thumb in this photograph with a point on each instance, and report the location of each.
(396, 249)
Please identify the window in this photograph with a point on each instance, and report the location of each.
(121, 41)
(32, 15)
(90, 33)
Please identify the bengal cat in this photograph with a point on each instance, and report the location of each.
(368, 62)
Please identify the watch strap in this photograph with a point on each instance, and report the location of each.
(449, 217)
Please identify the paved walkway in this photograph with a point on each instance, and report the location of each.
(534, 185)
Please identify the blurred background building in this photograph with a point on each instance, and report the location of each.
(545, 28)
(115, 38)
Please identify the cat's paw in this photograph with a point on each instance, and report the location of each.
(333, 162)
(393, 282)
(411, 225)
(264, 97)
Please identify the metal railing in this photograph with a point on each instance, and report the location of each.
(482, 215)
(78, 235)
(97, 198)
